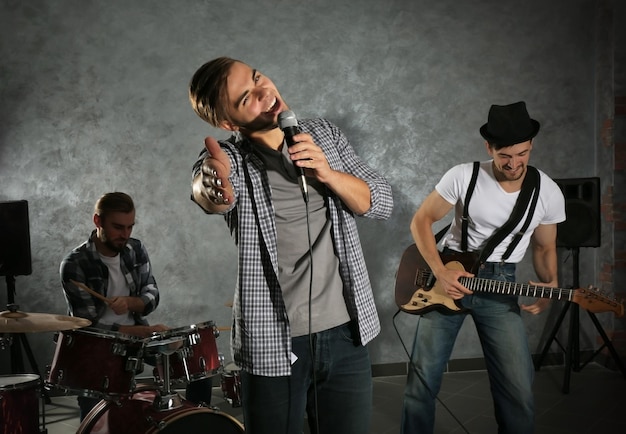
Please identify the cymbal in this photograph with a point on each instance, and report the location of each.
(22, 322)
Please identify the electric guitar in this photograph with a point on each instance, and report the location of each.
(417, 291)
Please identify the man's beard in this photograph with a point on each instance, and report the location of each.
(119, 247)
(259, 124)
(502, 174)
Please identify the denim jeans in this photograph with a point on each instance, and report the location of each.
(505, 346)
(343, 383)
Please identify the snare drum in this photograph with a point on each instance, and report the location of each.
(96, 363)
(19, 404)
(198, 356)
(137, 414)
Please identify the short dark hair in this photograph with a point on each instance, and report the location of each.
(207, 90)
(113, 202)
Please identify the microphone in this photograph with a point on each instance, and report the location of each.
(288, 122)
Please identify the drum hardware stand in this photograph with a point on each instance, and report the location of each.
(168, 399)
(17, 360)
(572, 351)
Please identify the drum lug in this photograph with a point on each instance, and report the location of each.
(134, 364)
(185, 353)
(194, 338)
(118, 349)
(105, 383)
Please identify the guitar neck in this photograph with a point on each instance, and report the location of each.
(511, 288)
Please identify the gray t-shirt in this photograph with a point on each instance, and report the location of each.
(328, 307)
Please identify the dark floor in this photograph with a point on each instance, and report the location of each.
(596, 403)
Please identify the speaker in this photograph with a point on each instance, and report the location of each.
(582, 207)
(15, 257)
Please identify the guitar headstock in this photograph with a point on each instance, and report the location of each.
(596, 301)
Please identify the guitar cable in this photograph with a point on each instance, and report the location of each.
(415, 369)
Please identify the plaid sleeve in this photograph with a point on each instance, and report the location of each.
(341, 156)
(137, 264)
(79, 268)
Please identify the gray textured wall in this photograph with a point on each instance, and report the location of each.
(93, 99)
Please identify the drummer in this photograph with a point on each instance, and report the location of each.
(117, 267)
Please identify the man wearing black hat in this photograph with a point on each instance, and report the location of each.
(494, 188)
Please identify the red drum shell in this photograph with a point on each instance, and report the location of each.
(19, 404)
(96, 362)
(137, 415)
(199, 352)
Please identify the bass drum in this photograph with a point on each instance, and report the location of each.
(137, 415)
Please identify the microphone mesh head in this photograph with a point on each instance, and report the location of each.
(287, 119)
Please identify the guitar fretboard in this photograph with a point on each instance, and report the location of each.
(504, 288)
(512, 288)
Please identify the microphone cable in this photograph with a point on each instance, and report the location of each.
(312, 350)
(415, 369)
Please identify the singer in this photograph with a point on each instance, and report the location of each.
(303, 308)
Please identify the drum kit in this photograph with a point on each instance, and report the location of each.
(20, 393)
(103, 364)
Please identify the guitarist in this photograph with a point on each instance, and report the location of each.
(509, 135)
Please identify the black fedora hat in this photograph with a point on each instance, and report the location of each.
(509, 124)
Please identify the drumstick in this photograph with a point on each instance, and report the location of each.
(91, 291)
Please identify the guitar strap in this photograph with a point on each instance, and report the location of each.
(468, 196)
(531, 211)
(465, 217)
(530, 188)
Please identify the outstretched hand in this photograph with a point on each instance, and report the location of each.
(213, 185)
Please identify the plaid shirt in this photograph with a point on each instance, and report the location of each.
(261, 338)
(83, 265)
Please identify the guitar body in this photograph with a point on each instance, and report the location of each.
(417, 292)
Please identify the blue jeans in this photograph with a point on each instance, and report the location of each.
(343, 382)
(505, 347)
